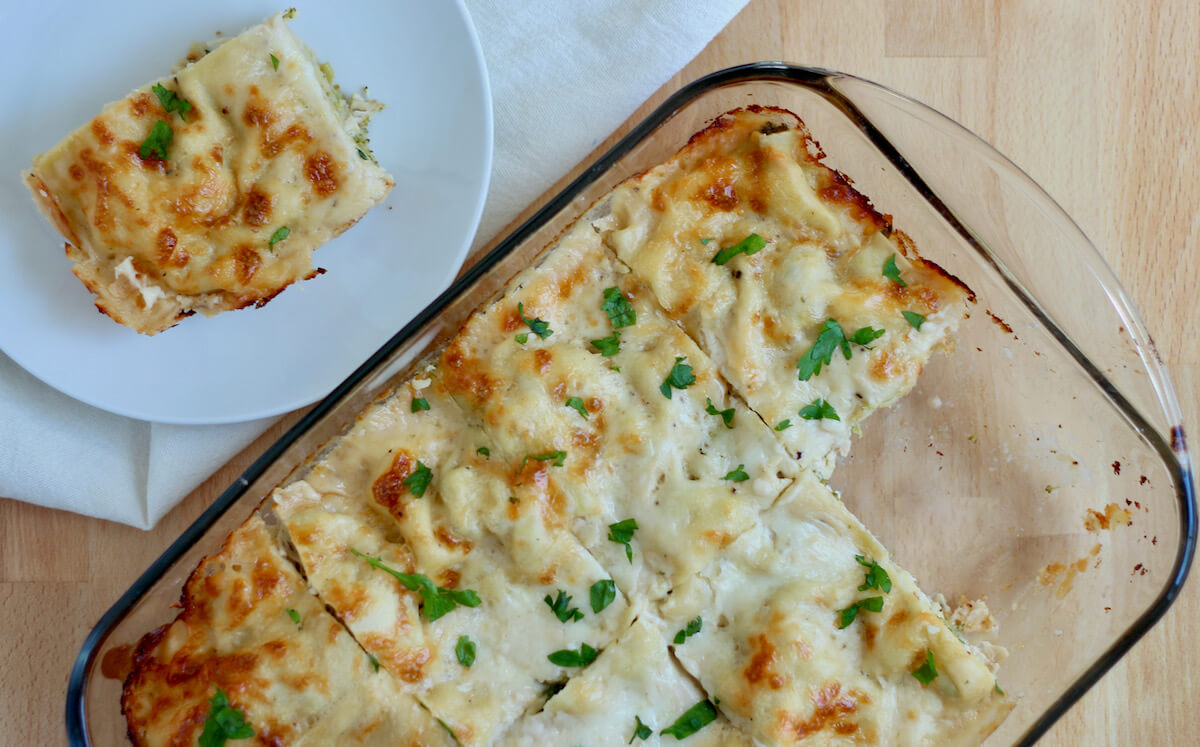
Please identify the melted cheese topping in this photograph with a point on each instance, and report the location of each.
(754, 172)
(260, 149)
(772, 651)
(235, 633)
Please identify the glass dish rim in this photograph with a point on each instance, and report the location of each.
(1175, 456)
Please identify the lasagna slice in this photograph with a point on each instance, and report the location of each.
(634, 693)
(252, 647)
(582, 383)
(810, 633)
(811, 305)
(209, 190)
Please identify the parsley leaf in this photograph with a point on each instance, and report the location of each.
(622, 534)
(568, 658)
(274, 62)
(915, 319)
(865, 336)
(783, 425)
(693, 720)
(561, 607)
(362, 155)
(749, 245)
(576, 404)
(876, 578)
(465, 651)
(171, 102)
(620, 312)
(892, 272)
(156, 143)
(819, 409)
(294, 615)
(373, 660)
(436, 600)
(419, 403)
(223, 722)
(820, 354)
(484, 451)
(537, 326)
(554, 457)
(847, 616)
(280, 234)
(418, 481)
(640, 730)
(603, 592)
(707, 241)
(608, 346)
(726, 415)
(522, 338)
(689, 630)
(680, 377)
(927, 672)
(737, 475)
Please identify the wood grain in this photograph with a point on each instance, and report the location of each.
(1097, 101)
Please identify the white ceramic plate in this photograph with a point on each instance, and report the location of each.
(65, 60)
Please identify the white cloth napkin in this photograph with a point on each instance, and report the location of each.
(563, 75)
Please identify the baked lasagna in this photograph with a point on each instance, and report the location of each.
(208, 190)
(599, 514)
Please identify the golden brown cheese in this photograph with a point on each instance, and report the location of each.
(262, 153)
(758, 171)
(250, 628)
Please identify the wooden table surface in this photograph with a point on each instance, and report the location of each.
(1098, 101)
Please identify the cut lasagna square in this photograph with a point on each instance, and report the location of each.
(807, 630)
(251, 646)
(210, 189)
(812, 306)
(579, 379)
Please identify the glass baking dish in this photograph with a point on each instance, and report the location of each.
(1041, 466)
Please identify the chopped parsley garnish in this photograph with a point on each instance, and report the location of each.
(374, 662)
(819, 409)
(465, 651)
(737, 475)
(693, 720)
(608, 346)
(171, 101)
(784, 424)
(362, 155)
(223, 722)
(561, 607)
(622, 534)
(568, 658)
(927, 672)
(913, 318)
(156, 143)
(576, 404)
(689, 630)
(553, 688)
(830, 338)
(892, 272)
(603, 593)
(274, 62)
(876, 578)
(680, 377)
(707, 241)
(537, 326)
(419, 403)
(620, 312)
(640, 730)
(847, 616)
(726, 415)
(484, 451)
(554, 457)
(522, 338)
(436, 600)
(280, 234)
(749, 245)
(294, 615)
(865, 336)
(418, 480)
